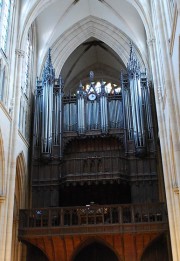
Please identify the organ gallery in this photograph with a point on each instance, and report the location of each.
(94, 170)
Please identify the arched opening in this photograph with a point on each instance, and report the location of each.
(96, 55)
(18, 203)
(157, 250)
(95, 252)
(35, 254)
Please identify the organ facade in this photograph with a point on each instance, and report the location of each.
(95, 167)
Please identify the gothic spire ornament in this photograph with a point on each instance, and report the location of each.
(48, 71)
(133, 64)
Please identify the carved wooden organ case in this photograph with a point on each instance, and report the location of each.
(93, 146)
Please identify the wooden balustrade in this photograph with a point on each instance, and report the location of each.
(92, 215)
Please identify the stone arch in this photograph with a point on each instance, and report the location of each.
(2, 165)
(19, 202)
(156, 250)
(81, 31)
(36, 253)
(37, 7)
(20, 179)
(91, 241)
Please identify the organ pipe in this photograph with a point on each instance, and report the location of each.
(37, 114)
(92, 115)
(136, 105)
(147, 106)
(81, 110)
(60, 118)
(93, 110)
(47, 106)
(136, 99)
(103, 110)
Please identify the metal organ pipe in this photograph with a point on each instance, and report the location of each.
(147, 106)
(37, 114)
(136, 106)
(103, 110)
(60, 97)
(136, 98)
(81, 110)
(47, 103)
(92, 115)
(115, 114)
(47, 106)
(137, 112)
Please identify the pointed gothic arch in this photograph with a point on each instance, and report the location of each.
(80, 32)
(19, 202)
(157, 249)
(95, 241)
(34, 9)
(20, 179)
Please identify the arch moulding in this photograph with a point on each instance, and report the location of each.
(20, 178)
(36, 7)
(82, 31)
(91, 240)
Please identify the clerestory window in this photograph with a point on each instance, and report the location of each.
(5, 9)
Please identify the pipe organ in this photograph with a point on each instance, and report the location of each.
(96, 135)
(126, 113)
(94, 167)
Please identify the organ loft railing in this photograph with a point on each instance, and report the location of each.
(125, 113)
(85, 219)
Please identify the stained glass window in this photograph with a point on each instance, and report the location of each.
(5, 17)
(109, 87)
(0, 8)
(25, 89)
(2, 83)
(26, 66)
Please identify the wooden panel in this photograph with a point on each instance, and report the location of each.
(126, 247)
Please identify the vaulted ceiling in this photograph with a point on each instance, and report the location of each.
(102, 46)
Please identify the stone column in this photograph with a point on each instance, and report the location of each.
(2, 219)
(164, 150)
(168, 166)
(12, 166)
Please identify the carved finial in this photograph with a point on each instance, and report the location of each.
(133, 64)
(48, 72)
(80, 91)
(91, 76)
